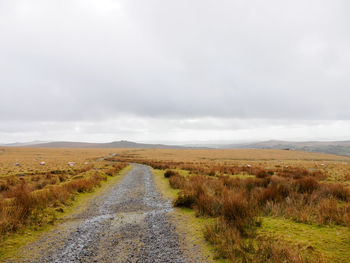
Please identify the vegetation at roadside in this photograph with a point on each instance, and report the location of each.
(33, 199)
(260, 205)
(251, 200)
(188, 226)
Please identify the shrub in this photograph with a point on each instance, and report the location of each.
(251, 183)
(237, 211)
(198, 185)
(298, 172)
(177, 181)
(306, 185)
(231, 183)
(227, 241)
(23, 201)
(4, 187)
(275, 193)
(338, 191)
(329, 212)
(170, 173)
(212, 173)
(185, 199)
(208, 205)
(262, 174)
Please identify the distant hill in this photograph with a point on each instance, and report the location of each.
(116, 144)
(332, 147)
(21, 144)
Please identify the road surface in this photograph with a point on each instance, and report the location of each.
(127, 223)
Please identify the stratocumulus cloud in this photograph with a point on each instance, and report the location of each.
(224, 68)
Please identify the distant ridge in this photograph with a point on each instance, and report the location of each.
(332, 147)
(116, 144)
(22, 144)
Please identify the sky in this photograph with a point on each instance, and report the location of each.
(174, 71)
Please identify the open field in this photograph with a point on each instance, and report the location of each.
(249, 205)
(268, 205)
(228, 154)
(244, 161)
(29, 159)
(38, 185)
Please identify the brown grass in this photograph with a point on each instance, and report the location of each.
(169, 173)
(234, 186)
(330, 213)
(177, 182)
(239, 192)
(337, 190)
(303, 199)
(238, 211)
(31, 199)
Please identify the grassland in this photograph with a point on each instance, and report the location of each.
(262, 205)
(228, 155)
(189, 227)
(250, 205)
(39, 186)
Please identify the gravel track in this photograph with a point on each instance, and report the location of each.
(127, 223)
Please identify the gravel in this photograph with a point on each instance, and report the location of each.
(127, 223)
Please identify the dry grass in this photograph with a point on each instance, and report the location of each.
(31, 196)
(239, 187)
(238, 205)
(180, 155)
(245, 162)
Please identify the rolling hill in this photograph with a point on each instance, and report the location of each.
(332, 147)
(115, 144)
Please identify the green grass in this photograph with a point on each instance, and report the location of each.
(243, 176)
(185, 219)
(14, 241)
(181, 172)
(332, 242)
(163, 184)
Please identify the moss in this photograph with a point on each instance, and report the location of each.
(332, 242)
(163, 184)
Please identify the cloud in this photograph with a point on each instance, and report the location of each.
(99, 61)
(165, 130)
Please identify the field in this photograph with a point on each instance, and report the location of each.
(38, 185)
(268, 205)
(251, 205)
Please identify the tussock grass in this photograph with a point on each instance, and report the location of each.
(34, 199)
(240, 204)
(241, 189)
(241, 195)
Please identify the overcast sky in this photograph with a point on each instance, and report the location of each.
(174, 71)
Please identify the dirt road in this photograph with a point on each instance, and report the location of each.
(127, 223)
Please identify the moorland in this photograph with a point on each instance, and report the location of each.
(252, 205)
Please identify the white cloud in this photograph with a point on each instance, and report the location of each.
(167, 130)
(196, 64)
